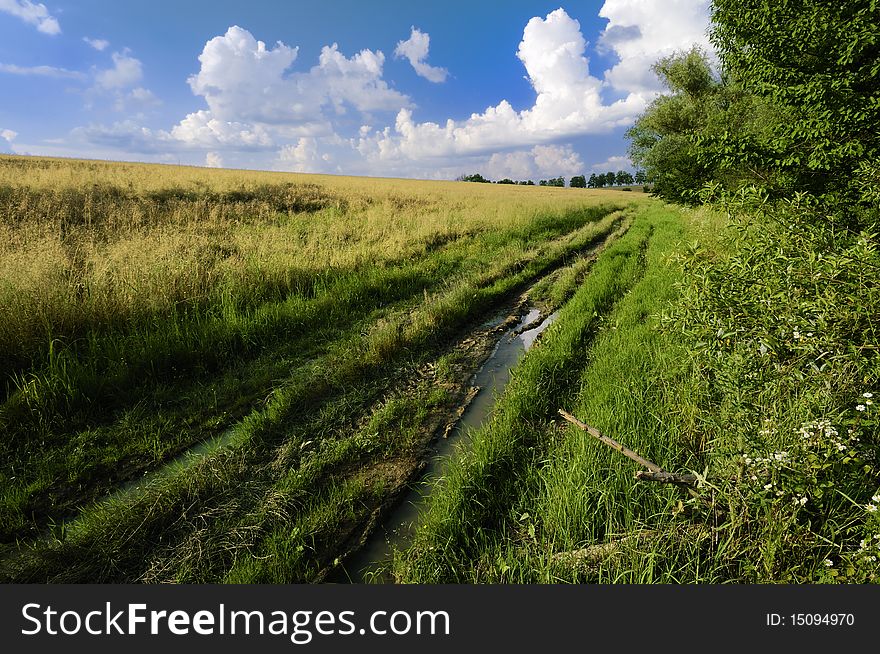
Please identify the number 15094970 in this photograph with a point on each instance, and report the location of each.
(811, 620)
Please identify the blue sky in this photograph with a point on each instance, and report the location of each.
(431, 90)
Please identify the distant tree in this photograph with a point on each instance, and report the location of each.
(610, 178)
(556, 181)
(506, 180)
(592, 182)
(543, 182)
(641, 177)
(624, 178)
(476, 177)
(530, 183)
(578, 181)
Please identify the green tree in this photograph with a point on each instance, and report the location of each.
(476, 177)
(593, 181)
(707, 129)
(818, 63)
(578, 181)
(640, 177)
(623, 178)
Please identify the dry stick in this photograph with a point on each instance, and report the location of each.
(653, 472)
(610, 442)
(666, 477)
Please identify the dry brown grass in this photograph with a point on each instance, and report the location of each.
(87, 244)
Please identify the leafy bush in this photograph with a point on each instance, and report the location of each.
(783, 322)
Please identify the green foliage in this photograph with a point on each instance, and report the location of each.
(819, 62)
(782, 323)
(476, 177)
(707, 129)
(578, 181)
(623, 178)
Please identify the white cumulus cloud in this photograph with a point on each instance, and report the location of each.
(32, 13)
(568, 103)
(639, 32)
(213, 160)
(124, 135)
(126, 72)
(305, 156)
(98, 44)
(203, 129)
(540, 161)
(7, 136)
(613, 164)
(243, 80)
(415, 49)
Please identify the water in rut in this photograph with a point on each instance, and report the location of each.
(370, 563)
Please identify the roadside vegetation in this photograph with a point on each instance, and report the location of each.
(743, 349)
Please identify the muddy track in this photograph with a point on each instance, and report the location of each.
(472, 344)
(400, 474)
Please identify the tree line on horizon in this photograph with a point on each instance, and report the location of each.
(620, 178)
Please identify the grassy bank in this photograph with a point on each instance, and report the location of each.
(708, 345)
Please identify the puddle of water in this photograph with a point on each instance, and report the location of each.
(370, 564)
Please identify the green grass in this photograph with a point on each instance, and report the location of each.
(669, 348)
(311, 383)
(474, 508)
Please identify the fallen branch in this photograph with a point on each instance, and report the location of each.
(667, 477)
(610, 442)
(653, 472)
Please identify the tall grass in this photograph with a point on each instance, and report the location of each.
(474, 508)
(744, 352)
(159, 306)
